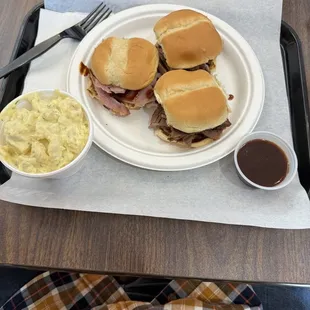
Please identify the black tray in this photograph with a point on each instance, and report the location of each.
(296, 86)
(294, 75)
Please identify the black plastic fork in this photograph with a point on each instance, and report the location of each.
(77, 32)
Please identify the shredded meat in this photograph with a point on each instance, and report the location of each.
(163, 67)
(159, 120)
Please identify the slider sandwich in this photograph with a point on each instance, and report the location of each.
(122, 74)
(187, 40)
(192, 108)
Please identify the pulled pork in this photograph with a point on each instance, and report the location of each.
(159, 121)
(117, 99)
(163, 67)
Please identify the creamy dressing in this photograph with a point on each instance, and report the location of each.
(45, 137)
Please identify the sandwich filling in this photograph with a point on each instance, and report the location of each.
(163, 67)
(117, 99)
(159, 121)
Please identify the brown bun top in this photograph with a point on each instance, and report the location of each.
(127, 63)
(193, 101)
(188, 39)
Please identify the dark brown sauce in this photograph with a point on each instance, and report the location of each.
(83, 69)
(263, 162)
(230, 97)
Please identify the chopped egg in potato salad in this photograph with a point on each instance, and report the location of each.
(43, 135)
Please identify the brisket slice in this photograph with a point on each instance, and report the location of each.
(159, 121)
(163, 67)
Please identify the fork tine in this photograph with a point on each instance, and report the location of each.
(102, 16)
(91, 14)
(93, 18)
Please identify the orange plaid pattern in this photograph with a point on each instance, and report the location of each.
(55, 290)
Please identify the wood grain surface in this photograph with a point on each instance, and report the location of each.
(58, 239)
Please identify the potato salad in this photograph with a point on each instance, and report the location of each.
(43, 134)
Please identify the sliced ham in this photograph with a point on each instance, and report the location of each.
(104, 94)
(118, 99)
(139, 98)
(117, 90)
(111, 103)
(130, 95)
(107, 88)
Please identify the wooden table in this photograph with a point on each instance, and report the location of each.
(48, 238)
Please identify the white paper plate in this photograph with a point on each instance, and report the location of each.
(129, 139)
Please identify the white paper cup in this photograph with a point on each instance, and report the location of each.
(287, 149)
(74, 165)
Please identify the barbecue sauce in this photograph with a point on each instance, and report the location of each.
(263, 162)
(83, 69)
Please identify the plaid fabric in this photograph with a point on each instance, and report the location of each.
(208, 295)
(60, 290)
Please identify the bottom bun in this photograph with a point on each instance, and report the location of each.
(160, 134)
(131, 106)
(134, 106)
